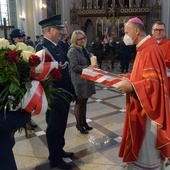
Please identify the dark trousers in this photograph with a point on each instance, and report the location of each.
(56, 119)
(12, 121)
(125, 63)
(99, 58)
(7, 161)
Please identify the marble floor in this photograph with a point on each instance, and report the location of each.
(97, 150)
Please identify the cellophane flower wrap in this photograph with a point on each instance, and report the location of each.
(26, 78)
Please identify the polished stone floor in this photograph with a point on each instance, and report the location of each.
(97, 150)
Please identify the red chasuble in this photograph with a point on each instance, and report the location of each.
(165, 46)
(149, 99)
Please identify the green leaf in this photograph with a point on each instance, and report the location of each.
(28, 85)
(14, 88)
(3, 79)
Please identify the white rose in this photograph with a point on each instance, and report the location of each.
(21, 46)
(26, 55)
(12, 47)
(30, 48)
(4, 43)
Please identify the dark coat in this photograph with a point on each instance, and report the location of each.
(12, 120)
(78, 61)
(64, 45)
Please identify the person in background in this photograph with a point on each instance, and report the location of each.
(41, 37)
(17, 36)
(110, 54)
(146, 135)
(125, 56)
(64, 41)
(159, 32)
(37, 39)
(79, 58)
(97, 50)
(29, 41)
(24, 37)
(57, 116)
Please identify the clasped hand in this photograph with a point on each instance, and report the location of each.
(126, 86)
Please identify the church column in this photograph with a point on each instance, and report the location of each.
(39, 13)
(165, 18)
(65, 14)
(12, 13)
(29, 19)
(22, 18)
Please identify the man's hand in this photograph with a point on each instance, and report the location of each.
(126, 86)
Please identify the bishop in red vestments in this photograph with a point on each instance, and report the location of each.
(146, 134)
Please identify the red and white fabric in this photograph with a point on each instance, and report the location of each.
(101, 76)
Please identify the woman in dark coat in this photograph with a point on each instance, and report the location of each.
(79, 58)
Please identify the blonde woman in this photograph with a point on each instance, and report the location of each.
(79, 58)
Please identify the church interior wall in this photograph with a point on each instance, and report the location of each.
(165, 15)
(13, 13)
(64, 9)
(29, 14)
(25, 14)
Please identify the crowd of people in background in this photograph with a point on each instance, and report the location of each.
(108, 51)
(22, 37)
(113, 50)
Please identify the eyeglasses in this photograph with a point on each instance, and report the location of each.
(158, 30)
(80, 39)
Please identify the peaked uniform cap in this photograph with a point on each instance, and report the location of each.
(16, 33)
(135, 20)
(52, 21)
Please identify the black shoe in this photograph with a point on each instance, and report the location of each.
(87, 127)
(81, 129)
(33, 125)
(61, 164)
(67, 154)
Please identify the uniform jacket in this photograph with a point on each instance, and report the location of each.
(59, 55)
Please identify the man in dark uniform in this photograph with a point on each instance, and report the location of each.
(64, 43)
(29, 41)
(57, 116)
(97, 50)
(37, 40)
